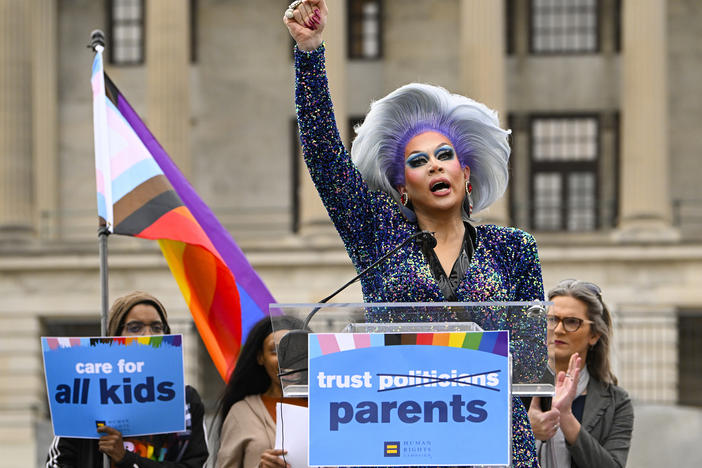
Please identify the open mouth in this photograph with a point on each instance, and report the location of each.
(441, 185)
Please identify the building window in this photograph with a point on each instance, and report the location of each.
(564, 26)
(510, 26)
(690, 359)
(126, 33)
(564, 175)
(364, 17)
(617, 26)
(193, 30)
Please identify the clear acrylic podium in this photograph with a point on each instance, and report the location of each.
(524, 320)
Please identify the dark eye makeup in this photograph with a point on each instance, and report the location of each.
(442, 153)
(417, 160)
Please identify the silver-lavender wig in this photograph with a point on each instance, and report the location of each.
(472, 128)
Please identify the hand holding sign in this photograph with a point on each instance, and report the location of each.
(111, 443)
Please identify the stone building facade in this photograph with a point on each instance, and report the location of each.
(603, 100)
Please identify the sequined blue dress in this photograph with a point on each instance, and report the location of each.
(504, 267)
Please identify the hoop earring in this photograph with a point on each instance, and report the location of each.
(404, 198)
(469, 191)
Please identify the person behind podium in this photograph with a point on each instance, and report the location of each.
(591, 419)
(247, 408)
(136, 314)
(423, 160)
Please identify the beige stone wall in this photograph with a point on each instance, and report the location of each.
(685, 59)
(242, 113)
(240, 100)
(16, 211)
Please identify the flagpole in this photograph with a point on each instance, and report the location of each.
(103, 232)
(97, 39)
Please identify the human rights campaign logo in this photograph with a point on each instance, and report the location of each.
(392, 449)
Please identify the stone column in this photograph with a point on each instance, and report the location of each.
(482, 70)
(645, 206)
(45, 116)
(21, 385)
(313, 217)
(168, 77)
(16, 208)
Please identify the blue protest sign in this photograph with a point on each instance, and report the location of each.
(409, 399)
(133, 384)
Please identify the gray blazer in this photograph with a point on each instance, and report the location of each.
(605, 434)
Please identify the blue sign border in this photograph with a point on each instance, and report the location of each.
(408, 405)
(134, 384)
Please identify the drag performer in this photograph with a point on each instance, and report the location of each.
(423, 159)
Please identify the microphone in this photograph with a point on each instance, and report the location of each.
(292, 349)
(425, 237)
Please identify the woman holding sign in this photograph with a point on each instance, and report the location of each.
(422, 160)
(137, 314)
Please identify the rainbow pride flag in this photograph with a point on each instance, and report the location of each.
(494, 342)
(142, 193)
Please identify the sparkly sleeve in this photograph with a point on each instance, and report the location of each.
(352, 206)
(527, 334)
(527, 283)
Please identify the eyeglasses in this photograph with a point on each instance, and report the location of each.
(570, 324)
(136, 327)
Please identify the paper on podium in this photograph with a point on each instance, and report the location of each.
(291, 433)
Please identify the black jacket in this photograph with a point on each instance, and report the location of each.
(608, 421)
(186, 449)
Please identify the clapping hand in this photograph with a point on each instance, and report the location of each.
(543, 423)
(567, 383)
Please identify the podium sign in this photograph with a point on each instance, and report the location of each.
(133, 384)
(384, 399)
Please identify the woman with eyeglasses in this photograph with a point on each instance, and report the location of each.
(591, 418)
(136, 314)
